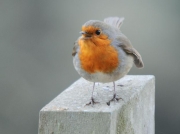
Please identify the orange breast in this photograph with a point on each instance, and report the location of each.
(97, 55)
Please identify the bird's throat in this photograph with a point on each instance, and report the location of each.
(98, 56)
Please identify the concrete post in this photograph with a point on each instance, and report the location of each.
(68, 114)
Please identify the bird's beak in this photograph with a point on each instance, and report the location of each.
(86, 34)
(82, 32)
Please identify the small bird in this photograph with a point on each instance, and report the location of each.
(103, 54)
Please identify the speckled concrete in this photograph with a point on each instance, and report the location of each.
(68, 114)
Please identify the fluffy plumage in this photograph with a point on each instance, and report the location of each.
(103, 53)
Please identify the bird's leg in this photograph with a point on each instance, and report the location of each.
(92, 102)
(115, 98)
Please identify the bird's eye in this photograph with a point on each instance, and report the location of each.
(98, 32)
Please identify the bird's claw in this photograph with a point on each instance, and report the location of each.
(113, 99)
(92, 102)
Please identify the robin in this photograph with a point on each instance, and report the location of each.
(103, 54)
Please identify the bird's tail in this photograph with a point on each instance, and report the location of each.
(114, 21)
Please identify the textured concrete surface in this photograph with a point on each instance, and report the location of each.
(68, 114)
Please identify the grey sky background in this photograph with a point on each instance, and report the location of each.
(36, 40)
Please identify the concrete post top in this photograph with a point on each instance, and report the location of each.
(69, 114)
(75, 97)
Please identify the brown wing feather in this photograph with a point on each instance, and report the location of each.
(125, 44)
(75, 48)
(137, 57)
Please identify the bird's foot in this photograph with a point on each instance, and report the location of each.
(92, 102)
(115, 98)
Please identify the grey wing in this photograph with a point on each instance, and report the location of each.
(75, 48)
(125, 44)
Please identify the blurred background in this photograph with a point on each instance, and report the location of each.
(36, 40)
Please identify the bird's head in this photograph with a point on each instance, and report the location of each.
(97, 32)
